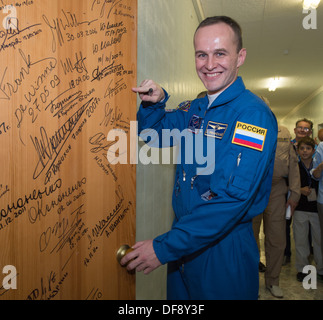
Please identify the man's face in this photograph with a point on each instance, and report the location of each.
(305, 151)
(216, 58)
(302, 130)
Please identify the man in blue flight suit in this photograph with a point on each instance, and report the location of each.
(211, 250)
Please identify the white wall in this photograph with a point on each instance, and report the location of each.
(311, 108)
(166, 55)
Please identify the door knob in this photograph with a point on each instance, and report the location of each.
(123, 250)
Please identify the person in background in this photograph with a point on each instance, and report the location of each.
(303, 128)
(210, 250)
(306, 212)
(317, 173)
(319, 136)
(274, 216)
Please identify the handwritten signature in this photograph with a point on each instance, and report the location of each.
(58, 25)
(6, 36)
(63, 230)
(98, 74)
(100, 143)
(48, 148)
(103, 6)
(8, 89)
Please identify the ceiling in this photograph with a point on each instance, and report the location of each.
(277, 46)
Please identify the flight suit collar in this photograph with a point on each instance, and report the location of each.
(228, 94)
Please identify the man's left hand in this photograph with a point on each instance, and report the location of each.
(142, 258)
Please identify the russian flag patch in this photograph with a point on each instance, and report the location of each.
(249, 136)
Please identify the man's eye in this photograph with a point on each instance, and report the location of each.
(201, 55)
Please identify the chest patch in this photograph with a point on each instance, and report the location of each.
(215, 129)
(249, 136)
(195, 124)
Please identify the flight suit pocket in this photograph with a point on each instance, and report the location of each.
(235, 178)
(239, 188)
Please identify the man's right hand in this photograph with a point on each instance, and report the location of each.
(150, 91)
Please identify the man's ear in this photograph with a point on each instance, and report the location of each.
(242, 57)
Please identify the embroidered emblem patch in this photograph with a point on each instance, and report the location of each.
(195, 124)
(215, 129)
(185, 106)
(249, 136)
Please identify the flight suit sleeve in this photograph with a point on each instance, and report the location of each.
(241, 188)
(154, 118)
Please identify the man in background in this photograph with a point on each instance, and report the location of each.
(274, 216)
(303, 128)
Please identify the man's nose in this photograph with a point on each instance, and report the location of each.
(212, 63)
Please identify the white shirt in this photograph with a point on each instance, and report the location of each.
(212, 98)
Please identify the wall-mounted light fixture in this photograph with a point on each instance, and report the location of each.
(310, 4)
(273, 84)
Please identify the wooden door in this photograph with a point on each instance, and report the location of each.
(66, 72)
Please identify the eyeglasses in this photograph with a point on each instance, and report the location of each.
(303, 128)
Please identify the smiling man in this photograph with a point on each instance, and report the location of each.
(210, 250)
(303, 128)
(218, 61)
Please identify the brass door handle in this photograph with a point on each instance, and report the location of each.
(123, 250)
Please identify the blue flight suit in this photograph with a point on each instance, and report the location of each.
(210, 250)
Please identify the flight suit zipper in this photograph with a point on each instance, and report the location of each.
(202, 128)
(194, 177)
(238, 160)
(192, 181)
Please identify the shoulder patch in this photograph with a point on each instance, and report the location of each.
(185, 106)
(249, 136)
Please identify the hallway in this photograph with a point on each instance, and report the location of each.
(292, 289)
